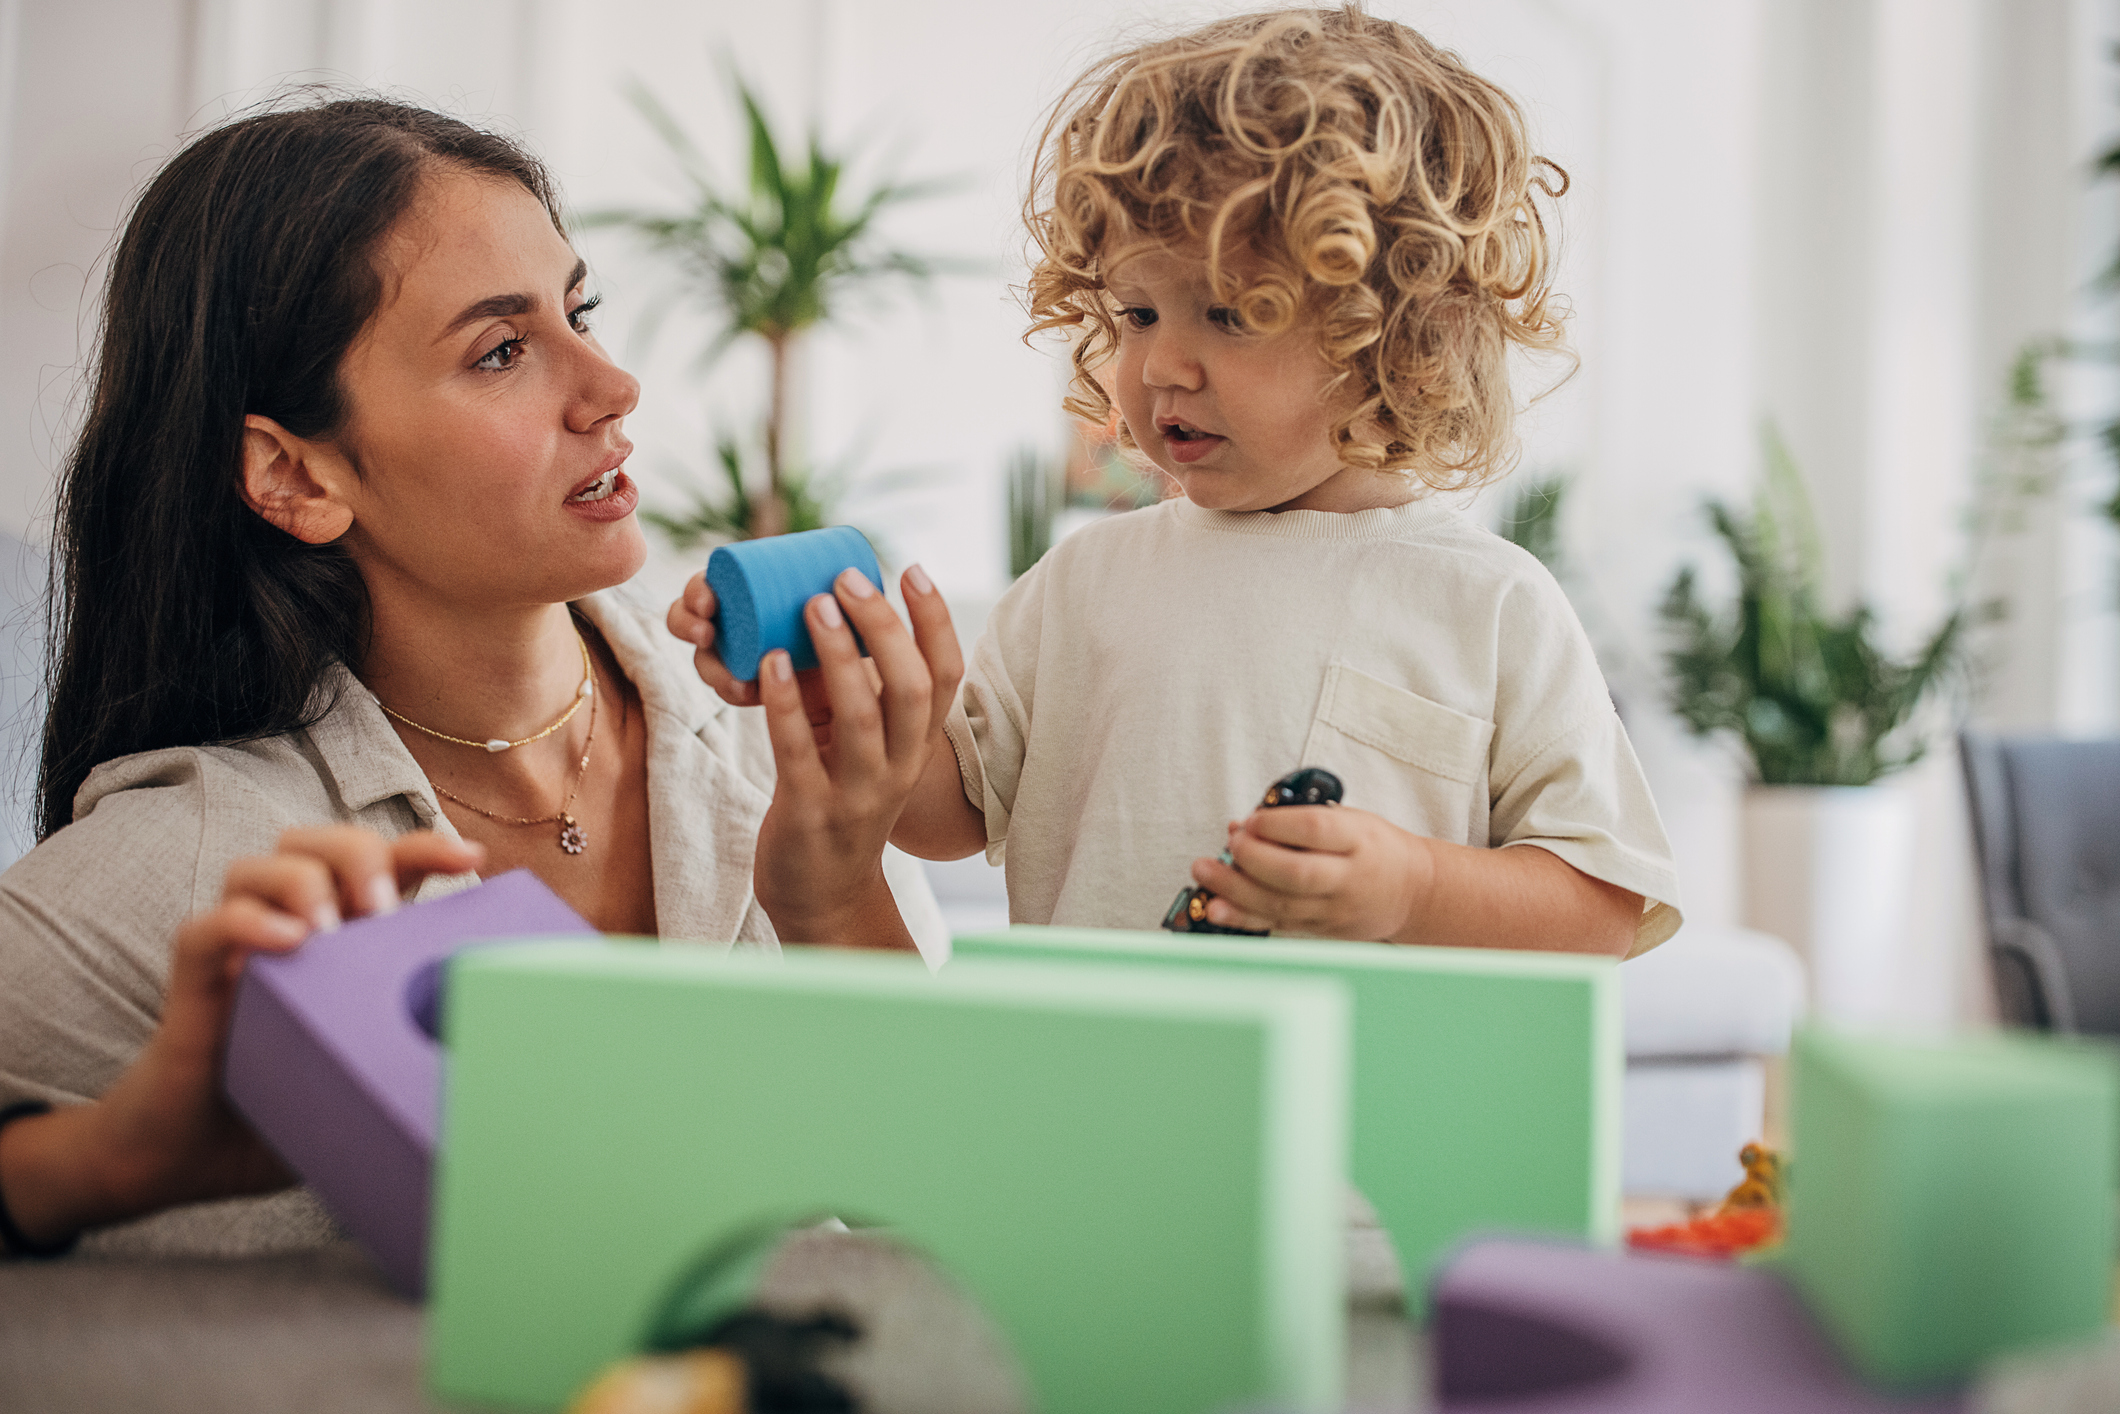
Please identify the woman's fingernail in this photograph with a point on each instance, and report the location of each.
(286, 930)
(828, 612)
(383, 895)
(917, 577)
(324, 918)
(857, 584)
(778, 665)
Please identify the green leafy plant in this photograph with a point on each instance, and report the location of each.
(1811, 696)
(770, 261)
(732, 517)
(1035, 494)
(2030, 421)
(1533, 520)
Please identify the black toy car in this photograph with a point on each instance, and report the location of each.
(1309, 786)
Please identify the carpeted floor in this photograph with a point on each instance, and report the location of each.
(319, 1333)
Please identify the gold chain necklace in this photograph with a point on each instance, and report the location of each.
(571, 838)
(498, 744)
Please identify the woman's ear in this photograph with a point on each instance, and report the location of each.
(293, 482)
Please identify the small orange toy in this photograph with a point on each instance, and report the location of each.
(1749, 1217)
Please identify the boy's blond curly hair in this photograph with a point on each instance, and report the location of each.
(1376, 187)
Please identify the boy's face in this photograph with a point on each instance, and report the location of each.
(1240, 420)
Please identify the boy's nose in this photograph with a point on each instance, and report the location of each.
(1171, 364)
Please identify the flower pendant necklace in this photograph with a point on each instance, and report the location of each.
(571, 837)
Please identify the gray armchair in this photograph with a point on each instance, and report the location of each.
(2046, 826)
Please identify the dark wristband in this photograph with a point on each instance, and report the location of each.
(18, 1245)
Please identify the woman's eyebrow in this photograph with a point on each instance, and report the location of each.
(497, 306)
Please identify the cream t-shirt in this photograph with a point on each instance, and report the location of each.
(1155, 672)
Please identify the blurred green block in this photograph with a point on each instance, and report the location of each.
(1486, 1084)
(1953, 1199)
(1139, 1175)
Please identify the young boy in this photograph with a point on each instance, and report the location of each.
(1295, 251)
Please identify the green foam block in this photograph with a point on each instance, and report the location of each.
(1486, 1084)
(1951, 1200)
(1139, 1175)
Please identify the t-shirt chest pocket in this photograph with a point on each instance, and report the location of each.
(1417, 763)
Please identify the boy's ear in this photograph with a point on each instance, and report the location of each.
(294, 483)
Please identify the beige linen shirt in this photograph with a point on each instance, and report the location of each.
(87, 918)
(1149, 677)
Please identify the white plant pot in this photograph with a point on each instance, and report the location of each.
(1829, 869)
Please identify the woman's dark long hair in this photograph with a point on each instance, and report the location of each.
(178, 616)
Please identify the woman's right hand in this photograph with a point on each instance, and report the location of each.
(850, 744)
(165, 1133)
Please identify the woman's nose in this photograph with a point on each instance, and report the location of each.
(605, 391)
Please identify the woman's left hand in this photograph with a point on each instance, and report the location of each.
(165, 1133)
(846, 773)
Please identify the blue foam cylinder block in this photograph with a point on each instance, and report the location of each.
(760, 587)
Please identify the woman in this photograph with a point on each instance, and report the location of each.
(337, 546)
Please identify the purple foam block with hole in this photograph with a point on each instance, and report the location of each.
(329, 1060)
(1524, 1326)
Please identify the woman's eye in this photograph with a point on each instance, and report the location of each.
(579, 315)
(1138, 316)
(502, 355)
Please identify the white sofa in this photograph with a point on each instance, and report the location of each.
(1704, 1014)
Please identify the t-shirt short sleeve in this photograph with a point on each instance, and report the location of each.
(989, 726)
(1562, 774)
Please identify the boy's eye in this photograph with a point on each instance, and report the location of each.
(1138, 316)
(501, 356)
(579, 315)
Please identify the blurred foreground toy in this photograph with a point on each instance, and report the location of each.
(1533, 1328)
(712, 1350)
(761, 586)
(1952, 1200)
(1309, 786)
(1748, 1219)
(333, 1056)
(1139, 1177)
(696, 1382)
(1524, 1136)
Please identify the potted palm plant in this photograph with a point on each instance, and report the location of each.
(1823, 716)
(769, 262)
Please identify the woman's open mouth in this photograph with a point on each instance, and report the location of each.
(598, 489)
(611, 496)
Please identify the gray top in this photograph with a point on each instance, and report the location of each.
(87, 918)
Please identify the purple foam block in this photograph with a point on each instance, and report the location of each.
(1523, 1326)
(330, 1063)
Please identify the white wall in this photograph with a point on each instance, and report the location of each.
(1840, 214)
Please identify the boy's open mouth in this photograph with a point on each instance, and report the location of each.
(1187, 443)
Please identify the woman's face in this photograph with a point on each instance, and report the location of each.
(485, 420)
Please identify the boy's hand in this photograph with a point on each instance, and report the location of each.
(1325, 870)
